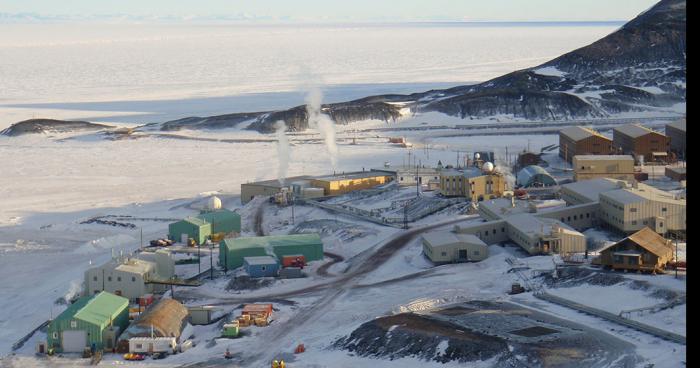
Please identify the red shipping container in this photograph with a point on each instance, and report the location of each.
(293, 261)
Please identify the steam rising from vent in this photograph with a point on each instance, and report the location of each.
(282, 150)
(322, 122)
(75, 288)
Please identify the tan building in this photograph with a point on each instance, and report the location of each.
(582, 141)
(472, 183)
(588, 167)
(676, 133)
(644, 250)
(629, 207)
(267, 187)
(449, 247)
(638, 140)
(129, 277)
(344, 183)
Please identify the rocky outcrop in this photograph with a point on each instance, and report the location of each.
(33, 126)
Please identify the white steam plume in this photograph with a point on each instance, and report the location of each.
(282, 150)
(322, 122)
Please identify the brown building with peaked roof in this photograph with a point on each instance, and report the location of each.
(638, 140)
(167, 318)
(676, 133)
(644, 250)
(582, 141)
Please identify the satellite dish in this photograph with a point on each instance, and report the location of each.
(477, 156)
(214, 203)
(487, 168)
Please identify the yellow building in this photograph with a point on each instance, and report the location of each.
(347, 182)
(620, 167)
(472, 183)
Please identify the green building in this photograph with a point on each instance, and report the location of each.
(233, 250)
(194, 227)
(222, 221)
(92, 321)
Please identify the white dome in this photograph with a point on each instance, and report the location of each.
(214, 203)
(488, 167)
(477, 156)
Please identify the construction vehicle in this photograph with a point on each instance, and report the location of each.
(227, 354)
(516, 288)
(278, 364)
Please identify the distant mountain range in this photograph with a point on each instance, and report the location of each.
(641, 67)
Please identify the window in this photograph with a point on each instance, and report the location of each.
(109, 278)
(569, 218)
(139, 346)
(575, 217)
(55, 335)
(633, 209)
(588, 215)
(263, 268)
(494, 232)
(634, 222)
(133, 278)
(444, 254)
(503, 229)
(632, 260)
(119, 278)
(663, 209)
(562, 219)
(94, 278)
(476, 252)
(646, 222)
(73, 324)
(96, 292)
(661, 224)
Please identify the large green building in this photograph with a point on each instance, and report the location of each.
(194, 227)
(92, 321)
(233, 250)
(222, 221)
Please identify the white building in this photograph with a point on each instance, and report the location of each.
(448, 247)
(128, 276)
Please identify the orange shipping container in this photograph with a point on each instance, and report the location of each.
(293, 261)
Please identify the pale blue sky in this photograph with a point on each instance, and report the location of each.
(349, 10)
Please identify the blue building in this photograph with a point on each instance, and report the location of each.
(261, 266)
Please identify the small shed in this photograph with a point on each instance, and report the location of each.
(449, 247)
(222, 221)
(644, 250)
(264, 266)
(191, 227)
(152, 345)
(202, 315)
(91, 322)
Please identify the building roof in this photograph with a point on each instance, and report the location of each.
(604, 157)
(219, 215)
(260, 260)
(275, 183)
(649, 240)
(634, 130)
(578, 133)
(135, 265)
(591, 189)
(680, 124)
(446, 237)
(409, 170)
(167, 318)
(469, 172)
(536, 225)
(257, 308)
(353, 175)
(533, 174)
(677, 170)
(272, 241)
(623, 196)
(195, 221)
(99, 309)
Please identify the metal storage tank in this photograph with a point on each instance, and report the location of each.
(534, 177)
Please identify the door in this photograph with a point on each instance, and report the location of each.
(74, 341)
(462, 254)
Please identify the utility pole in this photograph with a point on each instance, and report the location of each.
(211, 260)
(675, 236)
(141, 237)
(199, 260)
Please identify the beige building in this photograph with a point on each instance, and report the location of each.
(629, 207)
(472, 183)
(267, 187)
(588, 167)
(450, 247)
(534, 228)
(129, 277)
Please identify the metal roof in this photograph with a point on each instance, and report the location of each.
(591, 189)
(353, 175)
(577, 133)
(649, 240)
(634, 130)
(218, 215)
(167, 318)
(680, 124)
(624, 196)
(272, 241)
(100, 309)
(195, 221)
(446, 237)
(604, 157)
(260, 260)
(532, 174)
